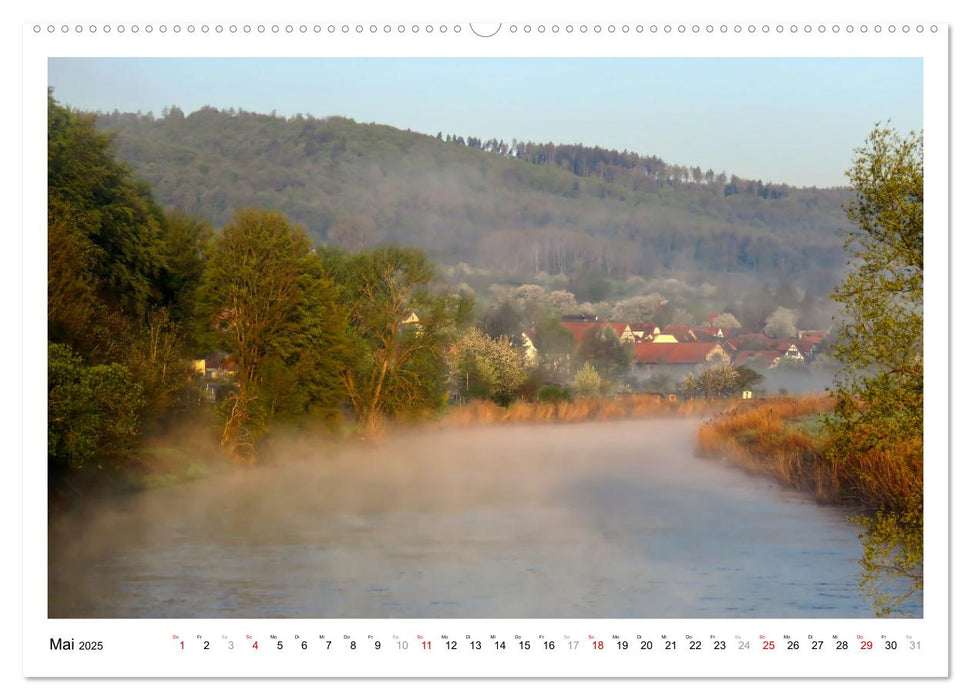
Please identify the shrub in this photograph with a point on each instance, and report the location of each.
(554, 394)
(587, 381)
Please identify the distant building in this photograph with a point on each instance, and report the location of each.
(793, 354)
(216, 375)
(679, 353)
(682, 333)
(623, 331)
(674, 359)
(581, 328)
(644, 331)
(218, 366)
(768, 358)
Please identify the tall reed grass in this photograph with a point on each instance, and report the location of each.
(582, 409)
(774, 437)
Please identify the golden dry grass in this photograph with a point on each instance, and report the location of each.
(767, 437)
(584, 409)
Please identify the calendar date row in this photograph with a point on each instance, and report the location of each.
(421, 644)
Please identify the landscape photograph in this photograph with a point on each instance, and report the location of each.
(485, 338)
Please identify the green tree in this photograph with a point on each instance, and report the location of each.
(710, 380)
(587, 381)
(104, 259)
(746, 378)
(109, 215)
(185, 239)
(267, 301)
(892, 566)
(554, 343)
(484, 367)
(399, 331)
(605, 350)
(115, 357)
(156, 361)
(76, 314)
(879, 388)
(91, 410)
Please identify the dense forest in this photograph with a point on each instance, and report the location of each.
(516, 210)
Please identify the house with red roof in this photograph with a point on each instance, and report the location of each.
(682, 333)
(707, 332)
(690, 354)
(581, 328)
(770, 358)
(644, 331)
(674, 360)
(816, 336)
(809, 346)
(623, 331)
(753, 341)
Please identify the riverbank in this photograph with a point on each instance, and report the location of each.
(578, 410)
(790, 441)
(190, 450)
(786, 439)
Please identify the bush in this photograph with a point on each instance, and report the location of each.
(554, 394)
(587, 381)
(92, 411)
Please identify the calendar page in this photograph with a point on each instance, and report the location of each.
(430, 347)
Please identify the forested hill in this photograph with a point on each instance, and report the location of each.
(517, 209)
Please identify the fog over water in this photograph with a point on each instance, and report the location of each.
(594, 520)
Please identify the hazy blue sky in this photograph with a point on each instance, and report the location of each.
(779, 120)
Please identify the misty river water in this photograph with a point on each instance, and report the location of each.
(594, 520)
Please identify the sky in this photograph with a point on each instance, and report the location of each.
(786, 120)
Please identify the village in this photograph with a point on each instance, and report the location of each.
(679, 346)
(659, 358)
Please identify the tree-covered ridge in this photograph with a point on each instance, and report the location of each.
(519, 208)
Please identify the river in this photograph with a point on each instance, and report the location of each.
(594, 520)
